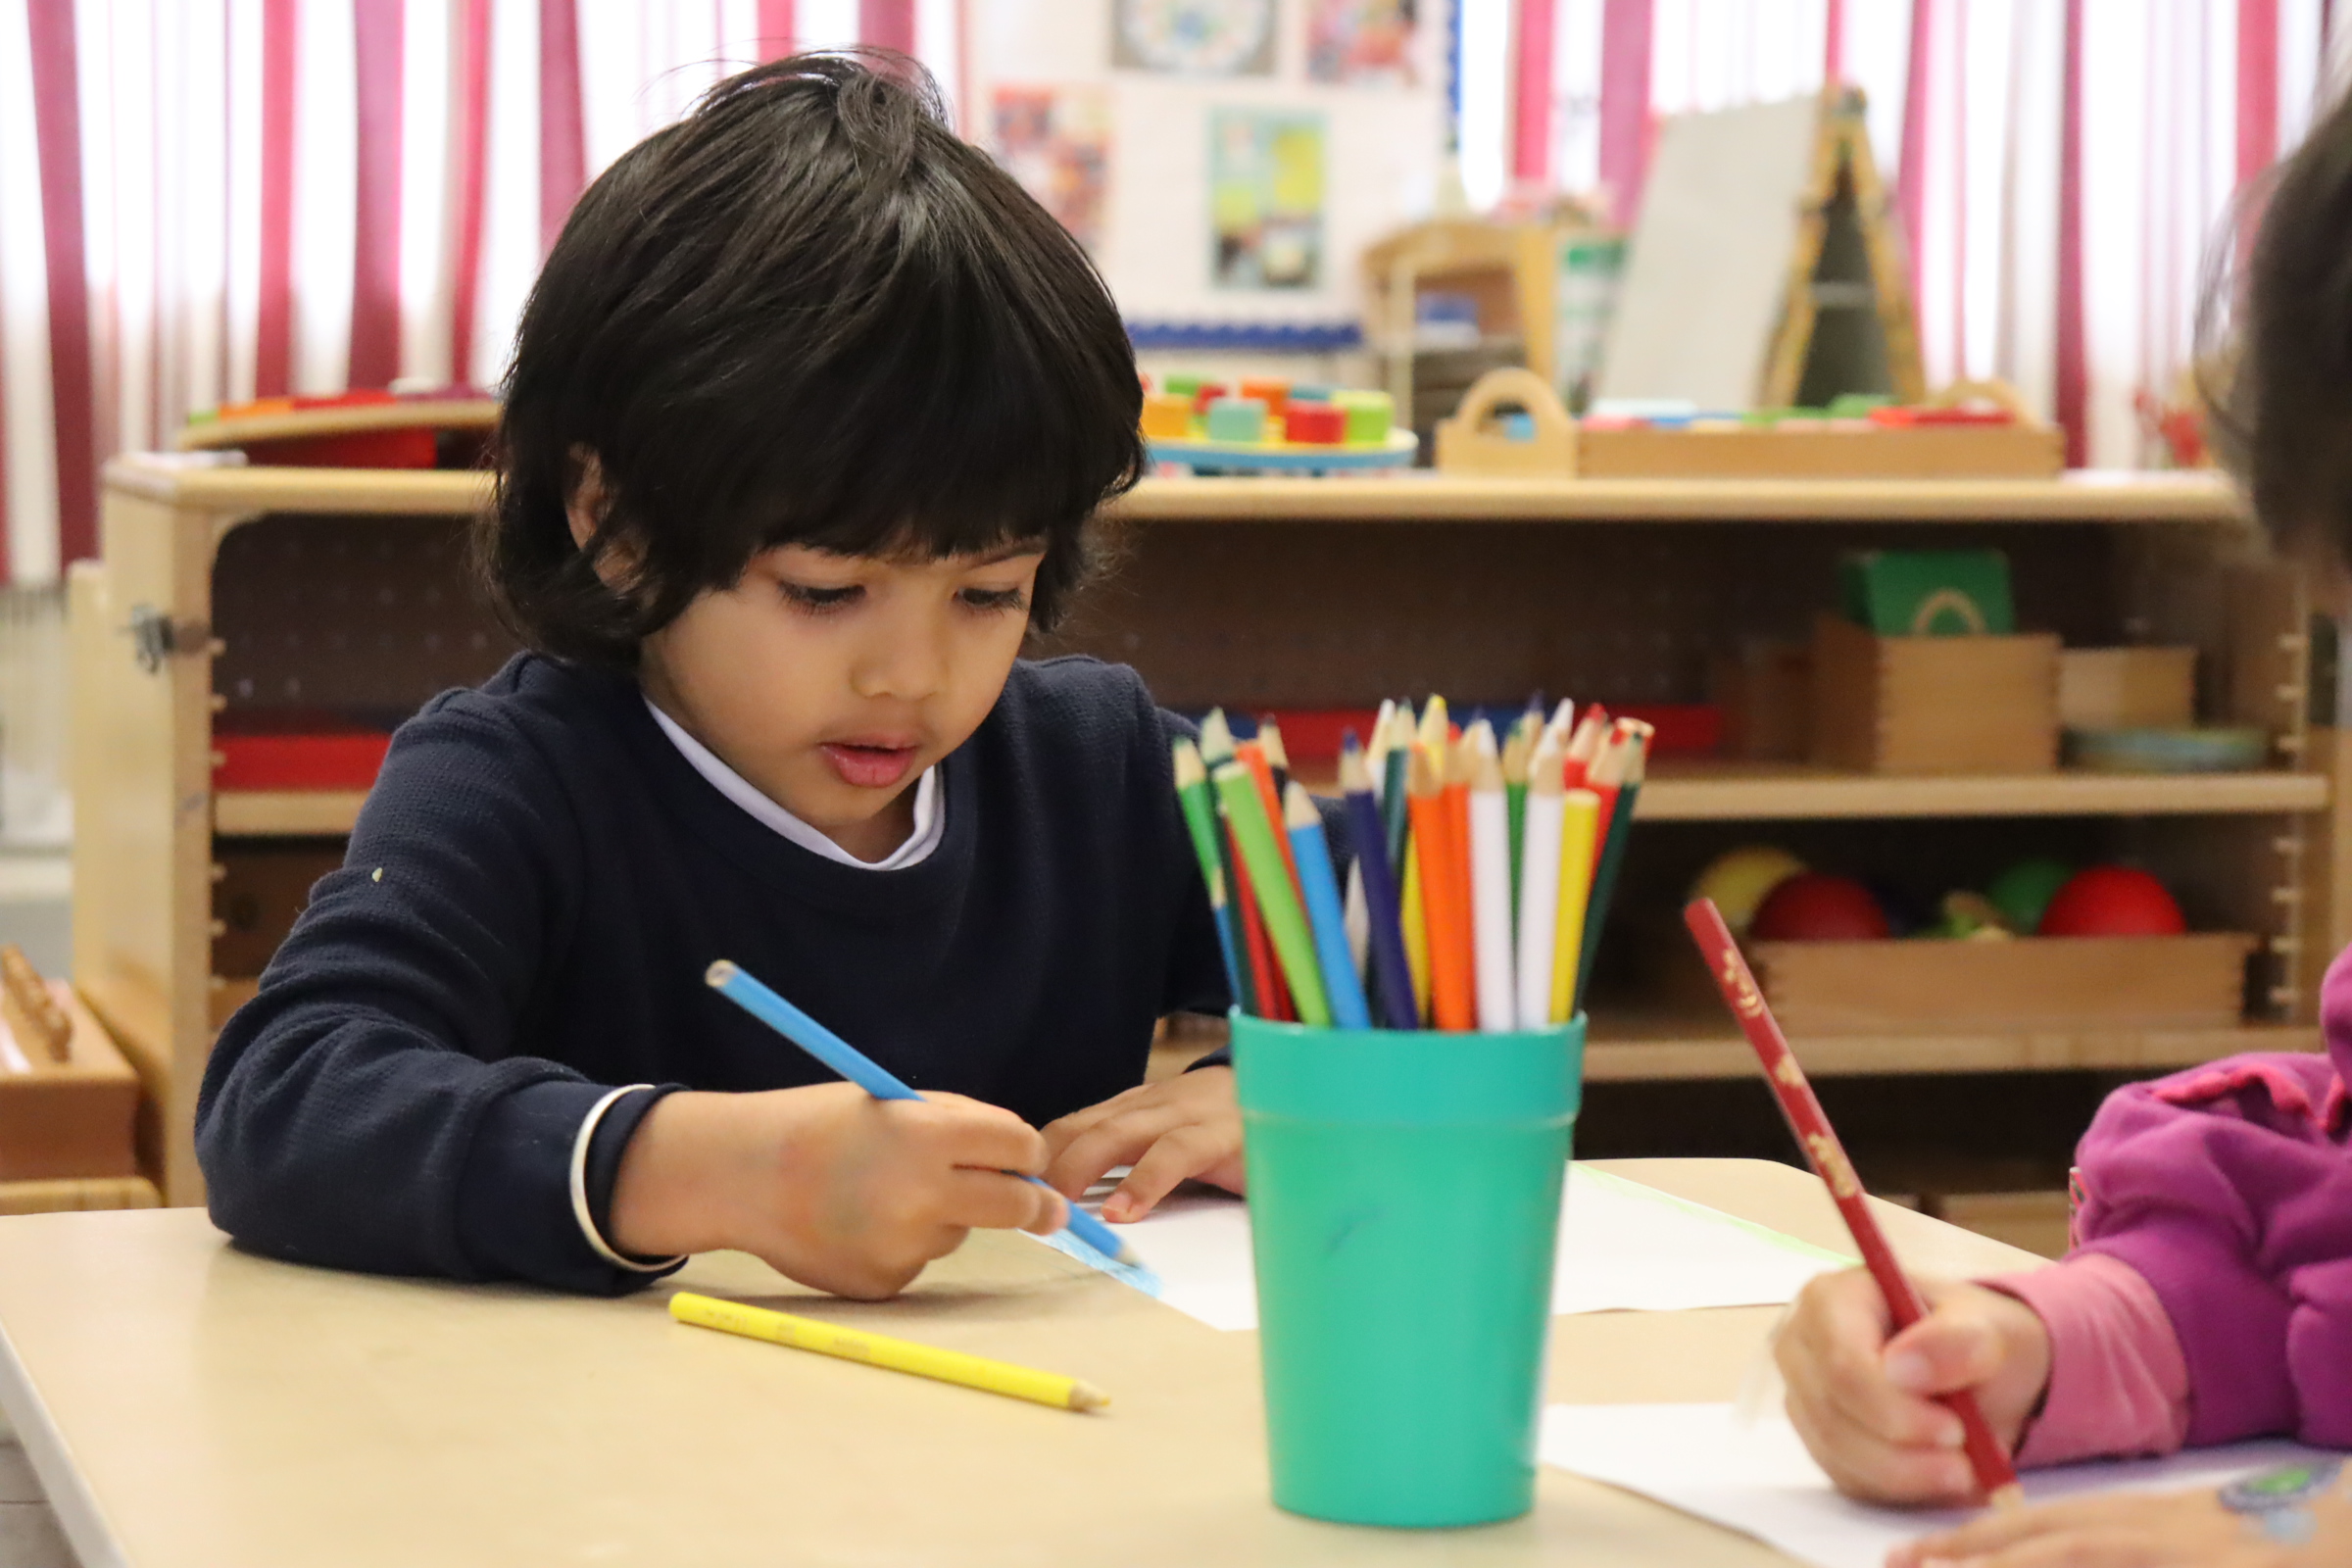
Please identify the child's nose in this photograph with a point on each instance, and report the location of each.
(904, 662)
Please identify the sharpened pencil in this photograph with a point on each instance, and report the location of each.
(1201, 823)
(1392, 970)
(1320, 894)
(1278, 900)
(1452, 985)
(1628, 742)
(1540, 884)
(1490, 882)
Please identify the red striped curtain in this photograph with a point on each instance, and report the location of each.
(2060, 166)
(208, 200)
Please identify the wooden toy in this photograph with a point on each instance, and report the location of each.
(365, 429)
(2112, 901)
(1812, 907)
(1275, 427)
(2027, 983)
(1934, 704)
(1928, 593)
(1475, 440)
(68, 1101)
(2128, 688)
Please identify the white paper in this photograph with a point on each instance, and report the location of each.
(1622, 1247)
(1758, 1480)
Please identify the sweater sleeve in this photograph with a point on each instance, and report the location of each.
(2118, 1384)
(2228, 1189)
(366, 1110)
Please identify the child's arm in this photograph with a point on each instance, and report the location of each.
(368, 1109)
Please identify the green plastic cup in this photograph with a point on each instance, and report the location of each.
(1404, 1197)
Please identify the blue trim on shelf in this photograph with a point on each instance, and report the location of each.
(1278, 338)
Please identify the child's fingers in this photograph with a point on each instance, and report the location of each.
(1862, 1464)
(989, 1200)
(1115, 1139)
(1185, 1150)
(968, 1132)
(1952, 1347)
(2079, 1521)
(1832, 1353)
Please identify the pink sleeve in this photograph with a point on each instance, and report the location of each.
(2118, 1382)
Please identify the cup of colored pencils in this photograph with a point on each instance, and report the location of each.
(1408, 1042)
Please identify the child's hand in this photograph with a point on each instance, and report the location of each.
(828, 1185)
(1864, 1403)
(2188, 1530)
(1188, 1127)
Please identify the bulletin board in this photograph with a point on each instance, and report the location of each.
(1225, 161)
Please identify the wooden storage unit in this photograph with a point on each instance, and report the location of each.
(345, 589)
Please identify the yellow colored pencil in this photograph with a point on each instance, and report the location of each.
(880, 1350)
(1415, 916)
(1580, 829)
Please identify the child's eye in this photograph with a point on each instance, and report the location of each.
(995, 599)
(820, 598)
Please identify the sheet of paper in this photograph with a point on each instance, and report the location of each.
(1622, 1247)
(1758, 1480)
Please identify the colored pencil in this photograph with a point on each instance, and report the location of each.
(1452, 1004)
(1515, 758)
(847, 1059)
(1631, 741)
(1216, 739)
(1996, 1478)
(1490, 861)
(1412, 916)
(1393, 765)
(882, 1350)
(1392, 971)
(1462, 897)
(1278, 756)
(1278, 900)
(1584, 747)
(1265, 975)
(1540, 883)
(1201, 823)
(1252, 756)
(1580, 832)
(1342, 991)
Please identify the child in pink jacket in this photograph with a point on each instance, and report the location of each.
(2208, 1295)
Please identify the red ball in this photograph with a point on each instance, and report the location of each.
(2112, 901)
(1813, 908)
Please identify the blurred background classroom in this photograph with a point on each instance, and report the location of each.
(1697, 358)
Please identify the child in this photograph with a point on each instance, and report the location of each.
(2210, 1293)
(808, 414)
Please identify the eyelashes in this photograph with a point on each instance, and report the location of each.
(831, 601)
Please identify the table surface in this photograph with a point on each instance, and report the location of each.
(186, 1404)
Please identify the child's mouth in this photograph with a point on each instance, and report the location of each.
(868, 768)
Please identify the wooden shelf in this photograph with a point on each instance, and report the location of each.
(1419, 496)
(1669, 1045)
(278, 814)
(1690, 791)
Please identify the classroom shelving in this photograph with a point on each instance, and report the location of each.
(223, 590)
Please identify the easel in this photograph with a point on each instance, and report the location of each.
(1789, 188)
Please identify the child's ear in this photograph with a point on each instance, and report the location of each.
(584, 501)
(584, 509)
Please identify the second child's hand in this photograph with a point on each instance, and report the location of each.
(1188, 1128)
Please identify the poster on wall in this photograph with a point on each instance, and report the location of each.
(1194, 37)
(1057, 142)
(1360, 42)
(1266, 199)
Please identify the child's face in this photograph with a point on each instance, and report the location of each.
(830, 682)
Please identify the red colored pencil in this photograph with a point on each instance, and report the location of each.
(1265, 975)
(1996, 1475)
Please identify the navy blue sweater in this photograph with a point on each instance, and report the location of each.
(534, 889)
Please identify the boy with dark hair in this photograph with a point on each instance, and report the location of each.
(810, 410)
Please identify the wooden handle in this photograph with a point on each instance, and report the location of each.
(1511, 384)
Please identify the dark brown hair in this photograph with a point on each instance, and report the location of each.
(804, 314)
(2276, 340)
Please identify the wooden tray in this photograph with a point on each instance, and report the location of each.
(1807, 450)
(72, 1118)
(1943, 987)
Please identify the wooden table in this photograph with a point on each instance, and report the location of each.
(185, 1403)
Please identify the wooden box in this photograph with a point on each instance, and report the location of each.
(1934, 704)
(2044, 983)
(1811, 451)
(2128, 688)
(72, 1118)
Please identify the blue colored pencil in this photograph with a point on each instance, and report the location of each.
(1391, 971)
(1320, 891)
(869, 1075)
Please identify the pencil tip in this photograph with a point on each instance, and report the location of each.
(1085, 1397)
(718, 974)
